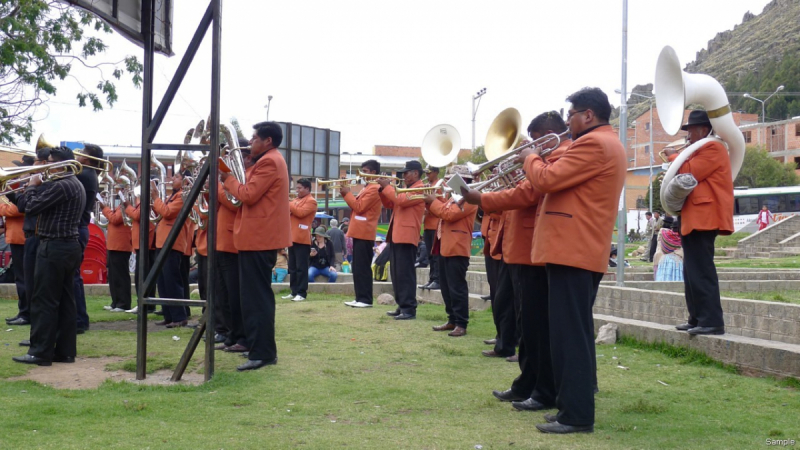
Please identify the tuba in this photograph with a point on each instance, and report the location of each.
(440, 145)
(676, 89)
(233, 159)
(105, 186)
(162, 188)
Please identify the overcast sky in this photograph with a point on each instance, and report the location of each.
(384, 73)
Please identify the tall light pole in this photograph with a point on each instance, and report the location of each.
(269, 100)
(622, 226)
(763, 102)
(650, 185)
(477, 97)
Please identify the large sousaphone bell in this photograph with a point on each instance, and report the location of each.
(441, 145)
(504, 134)
(675, 90)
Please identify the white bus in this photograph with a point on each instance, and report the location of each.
(782, 202)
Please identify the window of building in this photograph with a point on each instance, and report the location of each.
(646, 149)
(747, 136)
(797, 162)
(647, 126)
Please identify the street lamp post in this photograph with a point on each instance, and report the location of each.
(477, 97)
(763, 102)
(269, 100)
(652, 161)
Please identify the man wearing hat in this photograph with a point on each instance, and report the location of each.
(430, 224)
(403, 237)
(322, 257)
(708, 211)
(59, 205)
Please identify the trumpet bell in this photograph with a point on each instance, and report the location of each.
(441, 145)
(504, 134)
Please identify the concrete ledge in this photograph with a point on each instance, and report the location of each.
(378, 288)
(748, 354)
(476, 303)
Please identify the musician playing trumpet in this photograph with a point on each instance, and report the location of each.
(706, 213)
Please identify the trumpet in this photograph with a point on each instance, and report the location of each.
(371, 178)
(339, 183)
(422, 191)
(503, 172)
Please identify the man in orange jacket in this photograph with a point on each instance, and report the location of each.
(708, 211)
(302, 211)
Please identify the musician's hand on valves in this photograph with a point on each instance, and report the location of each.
(224, 176)
(670, 151)
(471, 196)
(429, 198)
(343, 190)
(383, 182)
(36, 180)
(525, 153)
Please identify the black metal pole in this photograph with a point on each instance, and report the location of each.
(142, 259)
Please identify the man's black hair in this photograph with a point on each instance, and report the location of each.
(59, 154)
(93, 150)
(550, 120)
(648, 213)
(372, 165)
(43, 153)
(594, 99)
(305, 182)
(269, 129)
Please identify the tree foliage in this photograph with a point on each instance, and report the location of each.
(41, 40)
(760, 170)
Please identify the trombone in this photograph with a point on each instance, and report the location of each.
(372, 178)
(339, 183)
(15, 179)
(107, 166)
(422, 191)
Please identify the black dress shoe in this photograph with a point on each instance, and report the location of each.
(433, 286)
(404, 316)
(557, 428)
(25, 343)
(550, 418)
(530, 405)
(486, 297)
(19, 321)
(30, 359)
(490, 341)
(684, 327)
(9, 319)
(253, 364)
(80, 330)
(63, 359)
(394, 313)
(424, 286)
(707, 330)
(508, 396)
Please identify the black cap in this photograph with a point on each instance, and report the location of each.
(411, 165)
(431, 169)
(27, 160)
(697, 117)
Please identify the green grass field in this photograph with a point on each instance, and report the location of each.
(350, 378)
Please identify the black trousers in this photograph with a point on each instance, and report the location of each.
(258, 302)
(433, 260)
(151, 256)
(362, 269)
(504, 313)
(202, 275)
(572, 292)
(653, 247)
(536, 376)
(80, 296)
(119, 279)
(228, 297)
(299, 256)
(170, 285)
(404, 276)
(53, 312)
(18, 264)
(31, 249)
(491, 274)
(700, 279)
(186, 266)
(455, 290)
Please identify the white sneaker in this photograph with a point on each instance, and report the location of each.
(107, 308)
(133, 310)
(299, 298)
(361, 305)
(288, 296)
(117, 310)
(353, 303)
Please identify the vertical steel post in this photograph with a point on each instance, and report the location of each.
(622, 226)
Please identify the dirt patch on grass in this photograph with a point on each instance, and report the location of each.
(125, 325)
(89, 373)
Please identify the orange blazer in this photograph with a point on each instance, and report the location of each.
(188, 228)
(118, 235)
(262, 222)
(226, 216)
(135, 214)
(169, 211)
(14, 222)
(710, 205)
(518, 222)
(582, 188)
(490, 225)
(457, 226)
(302, 212)
(406, 221)
(201, 238)
(366, 208)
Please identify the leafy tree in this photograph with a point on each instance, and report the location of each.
(657, 192)
(41, 40)
(760, 170)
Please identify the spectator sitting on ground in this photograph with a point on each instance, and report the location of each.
(322, 257)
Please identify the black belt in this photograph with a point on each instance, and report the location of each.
(73, 238)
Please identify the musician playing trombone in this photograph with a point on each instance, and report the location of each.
(522, 294)
(366, 207)
(453, 242)
(59, 205)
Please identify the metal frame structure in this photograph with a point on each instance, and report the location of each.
(150, 125)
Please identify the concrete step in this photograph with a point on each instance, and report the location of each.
(750, 355)
(476, 303)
